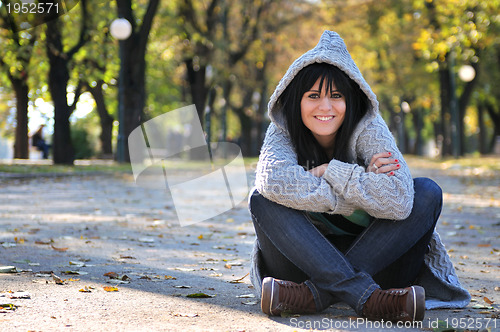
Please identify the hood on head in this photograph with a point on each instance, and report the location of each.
(330, 49)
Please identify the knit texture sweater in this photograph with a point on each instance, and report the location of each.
(347, 186)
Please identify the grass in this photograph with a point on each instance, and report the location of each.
(19, 166)
(23, 167)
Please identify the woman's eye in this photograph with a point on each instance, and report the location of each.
(336, 95)
(313, 96)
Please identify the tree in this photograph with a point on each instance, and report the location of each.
(58, 79)
(15, 56)
(134, 64)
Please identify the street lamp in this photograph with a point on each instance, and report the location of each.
(121, 29)
(466, 73)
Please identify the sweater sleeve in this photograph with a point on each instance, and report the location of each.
(282, 180)
(382, 196)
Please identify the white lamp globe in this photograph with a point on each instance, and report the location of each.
(466, 73)
(120, 29)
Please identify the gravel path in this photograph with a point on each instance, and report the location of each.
(98, 253)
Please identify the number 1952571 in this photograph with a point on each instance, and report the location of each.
(32, 8)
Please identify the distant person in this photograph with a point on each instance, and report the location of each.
(38, 141)
(337, 214)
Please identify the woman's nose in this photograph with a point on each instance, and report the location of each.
(325, 104)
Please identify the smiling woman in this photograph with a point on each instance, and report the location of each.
(336, 212)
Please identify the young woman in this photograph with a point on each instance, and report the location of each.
(337, 214)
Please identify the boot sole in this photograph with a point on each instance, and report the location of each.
(267, 295)
(416, 302)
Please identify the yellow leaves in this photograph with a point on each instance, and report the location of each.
(19, 240)
(110, 289)
(170, 278)
(86, 289)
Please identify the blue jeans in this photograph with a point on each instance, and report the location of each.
(387, 253)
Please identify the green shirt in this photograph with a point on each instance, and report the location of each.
(344, 225)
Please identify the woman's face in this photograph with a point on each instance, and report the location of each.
(323, 113)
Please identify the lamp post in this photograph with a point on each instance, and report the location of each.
(121, 29)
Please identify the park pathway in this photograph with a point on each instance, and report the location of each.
(98, 253)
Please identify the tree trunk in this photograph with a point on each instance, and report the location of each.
(482, 129)
(462, 107)
(495, 118)
(445, 130)
(418, 123)
(21, 144)
(106, 120)
(134, 67)
(197, 79)
(63, 152)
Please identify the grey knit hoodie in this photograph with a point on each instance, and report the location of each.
(345, 187)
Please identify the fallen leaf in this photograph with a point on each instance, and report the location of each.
(112, 275)
(57, 280)
(170, 278)
(85, 290)
(77, 263)
(183, 269)
(246, 296)
(228, 266)
(497, 289)
(117, 281)
(81, 273)
(126, 257)
(146, 240)
(8, 269)
(200, 237)
(487, 300)
(199, 295)
(8, 245)
(236, 281)
(42, 242)
(484, 245)
(59, 249)
(110, 289)
(479, 306)
(250, 302)
(215, 275)
(19, 295)
(8, 306)
(182, 286)
(186, 315)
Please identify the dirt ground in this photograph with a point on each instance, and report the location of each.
(98, 253)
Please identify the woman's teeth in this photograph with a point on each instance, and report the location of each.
(324, 118)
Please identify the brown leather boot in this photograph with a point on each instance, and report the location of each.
(398, 304)
(280, 295)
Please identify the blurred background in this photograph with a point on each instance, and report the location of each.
(102, 68)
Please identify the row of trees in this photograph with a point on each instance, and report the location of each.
(226, 57)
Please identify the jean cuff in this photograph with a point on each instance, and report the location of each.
(362, 300)
(315, 293)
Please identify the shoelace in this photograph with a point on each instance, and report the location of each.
(293, 296)
(388, 304)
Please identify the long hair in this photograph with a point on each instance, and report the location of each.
(309, 152)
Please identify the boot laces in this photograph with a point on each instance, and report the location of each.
(293, 296)
(389, 303)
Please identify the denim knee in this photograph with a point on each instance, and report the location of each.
(428, 194)
(256, 201)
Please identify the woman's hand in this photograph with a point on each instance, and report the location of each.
(318, 170)
(382, 163)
